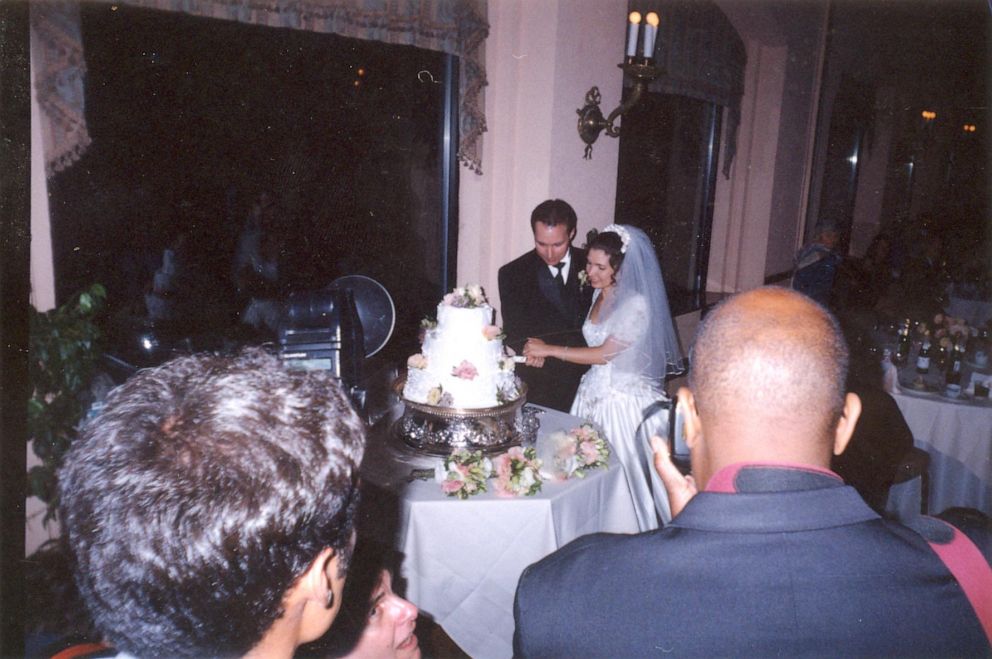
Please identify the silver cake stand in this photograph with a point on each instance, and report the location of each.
(441, 430)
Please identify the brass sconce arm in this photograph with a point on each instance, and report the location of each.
(591, 120)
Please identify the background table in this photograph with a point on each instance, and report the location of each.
(958, 437)
(462, 559)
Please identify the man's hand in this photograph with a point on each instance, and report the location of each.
(680, 488)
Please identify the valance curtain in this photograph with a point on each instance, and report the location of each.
(457, 27)
(701, 56)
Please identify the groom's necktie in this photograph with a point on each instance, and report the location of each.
(560, 278)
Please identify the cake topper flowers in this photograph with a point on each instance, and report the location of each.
(466, 297)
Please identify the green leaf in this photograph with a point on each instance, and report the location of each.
(41, 482)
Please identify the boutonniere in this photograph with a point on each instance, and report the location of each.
(583, 279)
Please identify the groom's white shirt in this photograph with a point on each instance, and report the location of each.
(567, 260)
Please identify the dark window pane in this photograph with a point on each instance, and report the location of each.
(267, 160)
(667, 170)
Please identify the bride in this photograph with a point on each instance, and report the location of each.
(632, 347)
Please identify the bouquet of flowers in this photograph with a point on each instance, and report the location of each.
(463, 473)
(577, 451)
(518, 472)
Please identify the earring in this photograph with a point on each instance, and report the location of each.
(330, 599)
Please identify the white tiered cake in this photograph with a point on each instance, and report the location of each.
(462, 362)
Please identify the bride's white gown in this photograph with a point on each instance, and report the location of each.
(615, 401)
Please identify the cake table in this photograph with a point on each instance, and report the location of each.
(462, 558)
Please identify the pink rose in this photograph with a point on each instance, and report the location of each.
(502, 466)
(417, 361)
(450, 486)
(503, 487)
(448, 299)
(465, 370)
(490, 332)
(590, 453)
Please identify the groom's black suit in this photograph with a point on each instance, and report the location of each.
(532, 305)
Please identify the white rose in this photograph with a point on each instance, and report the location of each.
(527, 478)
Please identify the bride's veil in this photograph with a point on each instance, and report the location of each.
(654, 352)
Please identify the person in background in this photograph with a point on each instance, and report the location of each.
(816, 264)
(375, 622)
(541, 295)
(882, 438)
(768, 552)
(209, 508)
(860, 284)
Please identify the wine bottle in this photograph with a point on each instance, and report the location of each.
(902, 348)
(954, 364)
(923, 359)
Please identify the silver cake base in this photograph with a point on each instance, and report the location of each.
(441, 430)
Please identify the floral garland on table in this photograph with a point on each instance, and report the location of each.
(518, 473)
(465, 473)
(578, 451)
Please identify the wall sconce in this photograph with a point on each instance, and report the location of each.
(928, 115)
(641, 69)
(969, 128)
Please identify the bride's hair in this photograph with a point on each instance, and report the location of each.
(611, 244)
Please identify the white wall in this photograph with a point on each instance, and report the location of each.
(541, 58)
(43, 299)
(759, 211)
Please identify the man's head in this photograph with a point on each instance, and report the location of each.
(828, 235)
(553, 223)
(767, 384)
(206, 491)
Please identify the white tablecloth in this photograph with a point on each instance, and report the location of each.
(958, 438)
(462, 559)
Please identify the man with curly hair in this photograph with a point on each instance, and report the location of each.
(210, 508)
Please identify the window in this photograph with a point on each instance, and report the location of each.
(266, 161)
(665, 184)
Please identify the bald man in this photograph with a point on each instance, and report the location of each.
(769, 552)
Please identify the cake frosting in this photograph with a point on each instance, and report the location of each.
(462, 362)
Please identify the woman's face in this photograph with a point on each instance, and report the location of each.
(389, 630)
(599, 269)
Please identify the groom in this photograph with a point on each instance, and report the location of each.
(541, 296)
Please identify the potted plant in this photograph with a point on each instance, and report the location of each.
(63, 353)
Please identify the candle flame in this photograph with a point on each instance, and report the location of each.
(652, 19)
(635, 17)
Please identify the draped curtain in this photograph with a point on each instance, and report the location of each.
(457, 27)
(701, 56)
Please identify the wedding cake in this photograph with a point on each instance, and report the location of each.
(462, 362)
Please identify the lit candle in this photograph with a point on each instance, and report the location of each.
(650, 32)
(635, 24)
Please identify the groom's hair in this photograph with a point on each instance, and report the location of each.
(554, 212)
